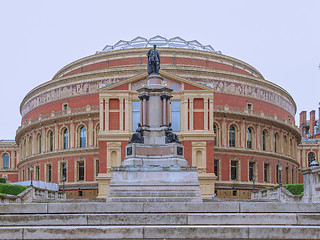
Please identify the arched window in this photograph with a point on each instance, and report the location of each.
(83, 136)
(249, 138)
(232, 136)
(65, 139)
(264, 140)
(50, 135)
(215, 132)
(311, 157)
(6, 160)
(276, 142)
(39, 143)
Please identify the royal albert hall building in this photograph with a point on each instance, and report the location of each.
(236, 127)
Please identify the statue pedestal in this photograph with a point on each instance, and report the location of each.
(154, 184)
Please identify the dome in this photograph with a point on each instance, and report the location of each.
(176, 42)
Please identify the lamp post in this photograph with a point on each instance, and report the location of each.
(31, 171)
(280, 172)
(253, 179)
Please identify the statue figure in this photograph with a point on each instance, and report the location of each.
(137, 137)
(171, 136)
(153, 60)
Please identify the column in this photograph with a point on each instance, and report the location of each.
(71, 135)
(184, 111)
(56, 136)
(106, 114)
(205, 112)
(164, 110)
(101, 112)
(141, 112)
(224, 132)
(127, 115)
(191, 113)
(211, 117)
(168, 110)
(121, 114)
(144, 109)
(303, 160)
(90, 132)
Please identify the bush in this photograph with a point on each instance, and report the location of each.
(2, 180)
(295, 189)
(3, 194)
(11, 189)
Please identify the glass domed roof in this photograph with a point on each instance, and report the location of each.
(176, 42)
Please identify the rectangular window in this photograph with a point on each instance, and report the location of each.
(23, 175)
(251, 171)
(49, 171)
(234, 173)
(135, 114)
(175, 116)
(63, 171)
(80, 171)
(277, 173)
(37, 177)
(65, 106)
(216, 168)
(97, 167)
(266, 172)
(249, 106)
(287, 175)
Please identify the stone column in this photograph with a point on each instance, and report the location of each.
(184, 111)
(144, 110)
(191, 113)
(90, 132)
(205, 112)
(141, 112)
(121, 114)
(164, 110)
(56, 137)
(211, 117)
(101, 112)
(168, 120)
(126, 115)
(106, 114)
(33, 143)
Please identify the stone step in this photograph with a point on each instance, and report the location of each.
(161, 232)
(203, 219)
(148, 198)
(153, 194)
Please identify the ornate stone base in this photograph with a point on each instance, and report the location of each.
(154, 184)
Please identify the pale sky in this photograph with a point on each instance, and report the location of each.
(279, 38)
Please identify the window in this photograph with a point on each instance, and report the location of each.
(6, 161)
(232, 136)
(50, 141)
(276, 142)
(251, 171)
(83, 137)
(175, 116)
(216, 168)
(37, 177)
(65, 106)
(64, 171)
(287, 175)
(277, 173)
(249, 138)
(266, 172)
(311, 157)
(264, 140)
(49, 173)
(65, 139)
(97, 167)
(135, 114)
(215, 132)
(249, 106)
(80, 171)
(234, 166)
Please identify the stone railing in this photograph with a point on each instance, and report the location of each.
(32, 194)
(276, 194)
(255, 113)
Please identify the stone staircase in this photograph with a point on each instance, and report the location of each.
(159, 220)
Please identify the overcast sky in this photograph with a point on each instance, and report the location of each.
(279, 38)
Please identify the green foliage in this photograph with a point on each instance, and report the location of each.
(11, 189)
(3, 194)
(2, 180)
(295, 189)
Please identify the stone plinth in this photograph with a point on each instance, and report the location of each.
(311, 181)
(154, 184)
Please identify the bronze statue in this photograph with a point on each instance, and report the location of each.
(137, 137)
(153, 60)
